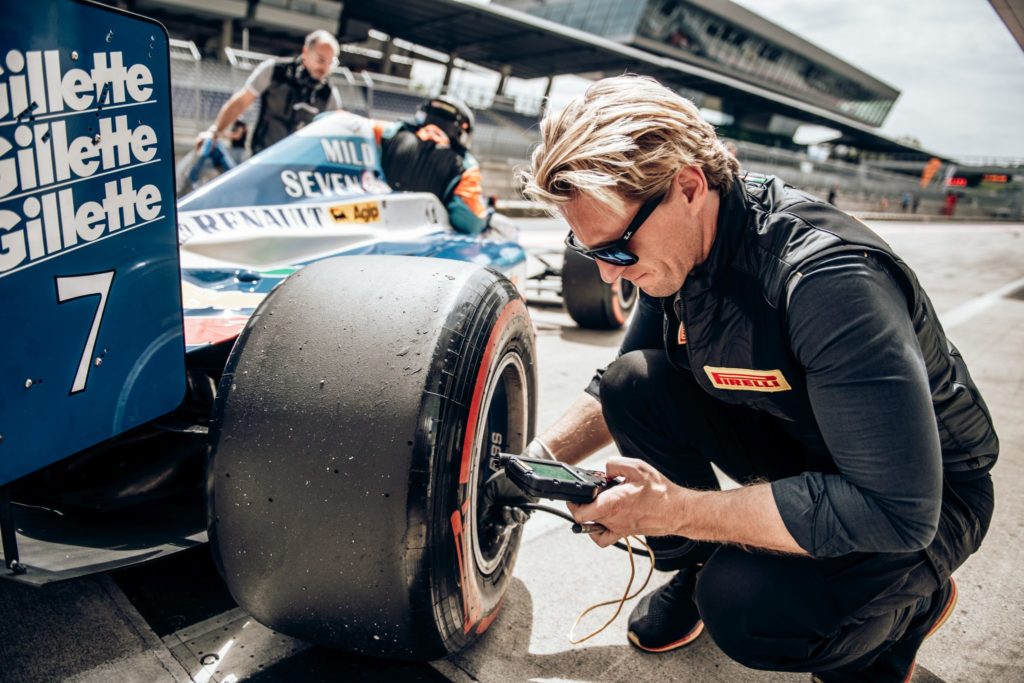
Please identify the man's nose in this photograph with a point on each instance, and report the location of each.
(609, 273)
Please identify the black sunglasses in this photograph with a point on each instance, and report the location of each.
(616, 253)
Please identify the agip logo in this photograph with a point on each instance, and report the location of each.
(359, 212)
(43, 207)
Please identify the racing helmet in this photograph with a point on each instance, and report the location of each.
(451, 115)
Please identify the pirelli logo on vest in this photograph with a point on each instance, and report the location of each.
(742, 379)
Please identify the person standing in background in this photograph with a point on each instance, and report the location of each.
(291, 90)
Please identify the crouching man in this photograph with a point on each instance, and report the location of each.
(785, 342)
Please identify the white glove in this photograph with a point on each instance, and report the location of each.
(208, 134)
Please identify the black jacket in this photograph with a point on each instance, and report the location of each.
(290, 102)
(449, 172)
(733, 310)
(737, 338)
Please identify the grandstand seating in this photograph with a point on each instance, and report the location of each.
(484, 118)
(505, 137)
(394, 106)
(201, 86)
(524, 122)
(212, 9)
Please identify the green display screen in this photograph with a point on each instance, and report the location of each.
(553, 471)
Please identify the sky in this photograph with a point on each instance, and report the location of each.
(959, 71)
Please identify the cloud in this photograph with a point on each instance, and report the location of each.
(960, 71)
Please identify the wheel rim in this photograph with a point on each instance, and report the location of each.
(626, 294)
(502, 428)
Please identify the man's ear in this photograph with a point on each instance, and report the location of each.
(692, 186)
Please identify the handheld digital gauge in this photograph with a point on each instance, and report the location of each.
(555, 480)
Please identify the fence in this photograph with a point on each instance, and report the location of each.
(505, 136)
(864, 188)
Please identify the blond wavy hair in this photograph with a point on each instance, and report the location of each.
(623, 139)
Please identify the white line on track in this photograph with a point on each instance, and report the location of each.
(969, 309)
(938, 229)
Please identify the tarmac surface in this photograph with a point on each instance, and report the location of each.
(172, 620)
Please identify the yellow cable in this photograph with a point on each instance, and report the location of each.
(625, 596)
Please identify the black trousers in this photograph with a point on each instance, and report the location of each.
(770, 611)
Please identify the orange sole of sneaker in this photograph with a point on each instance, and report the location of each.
(943, 618)
(685, 640)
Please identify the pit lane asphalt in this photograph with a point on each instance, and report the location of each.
(173, 620)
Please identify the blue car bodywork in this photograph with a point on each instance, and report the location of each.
(317, 194)
(125, 305)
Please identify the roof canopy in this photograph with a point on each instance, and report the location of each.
(495, 37)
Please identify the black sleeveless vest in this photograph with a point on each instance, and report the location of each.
(414, 165)
(733, 311)
(290, 102)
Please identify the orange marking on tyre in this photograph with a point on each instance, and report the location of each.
(486, 622)
(511, 308)
(470, 597)
(471, 600)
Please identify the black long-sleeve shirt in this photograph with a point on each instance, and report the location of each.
(849, 329)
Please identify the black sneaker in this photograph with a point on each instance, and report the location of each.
(667, 618)
(899, 661)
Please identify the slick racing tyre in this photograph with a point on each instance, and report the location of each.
(351, 444)
(591, 302)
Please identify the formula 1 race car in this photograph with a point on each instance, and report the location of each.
(316, 194)
(211, 372)
(592, 303)
(240, 222)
